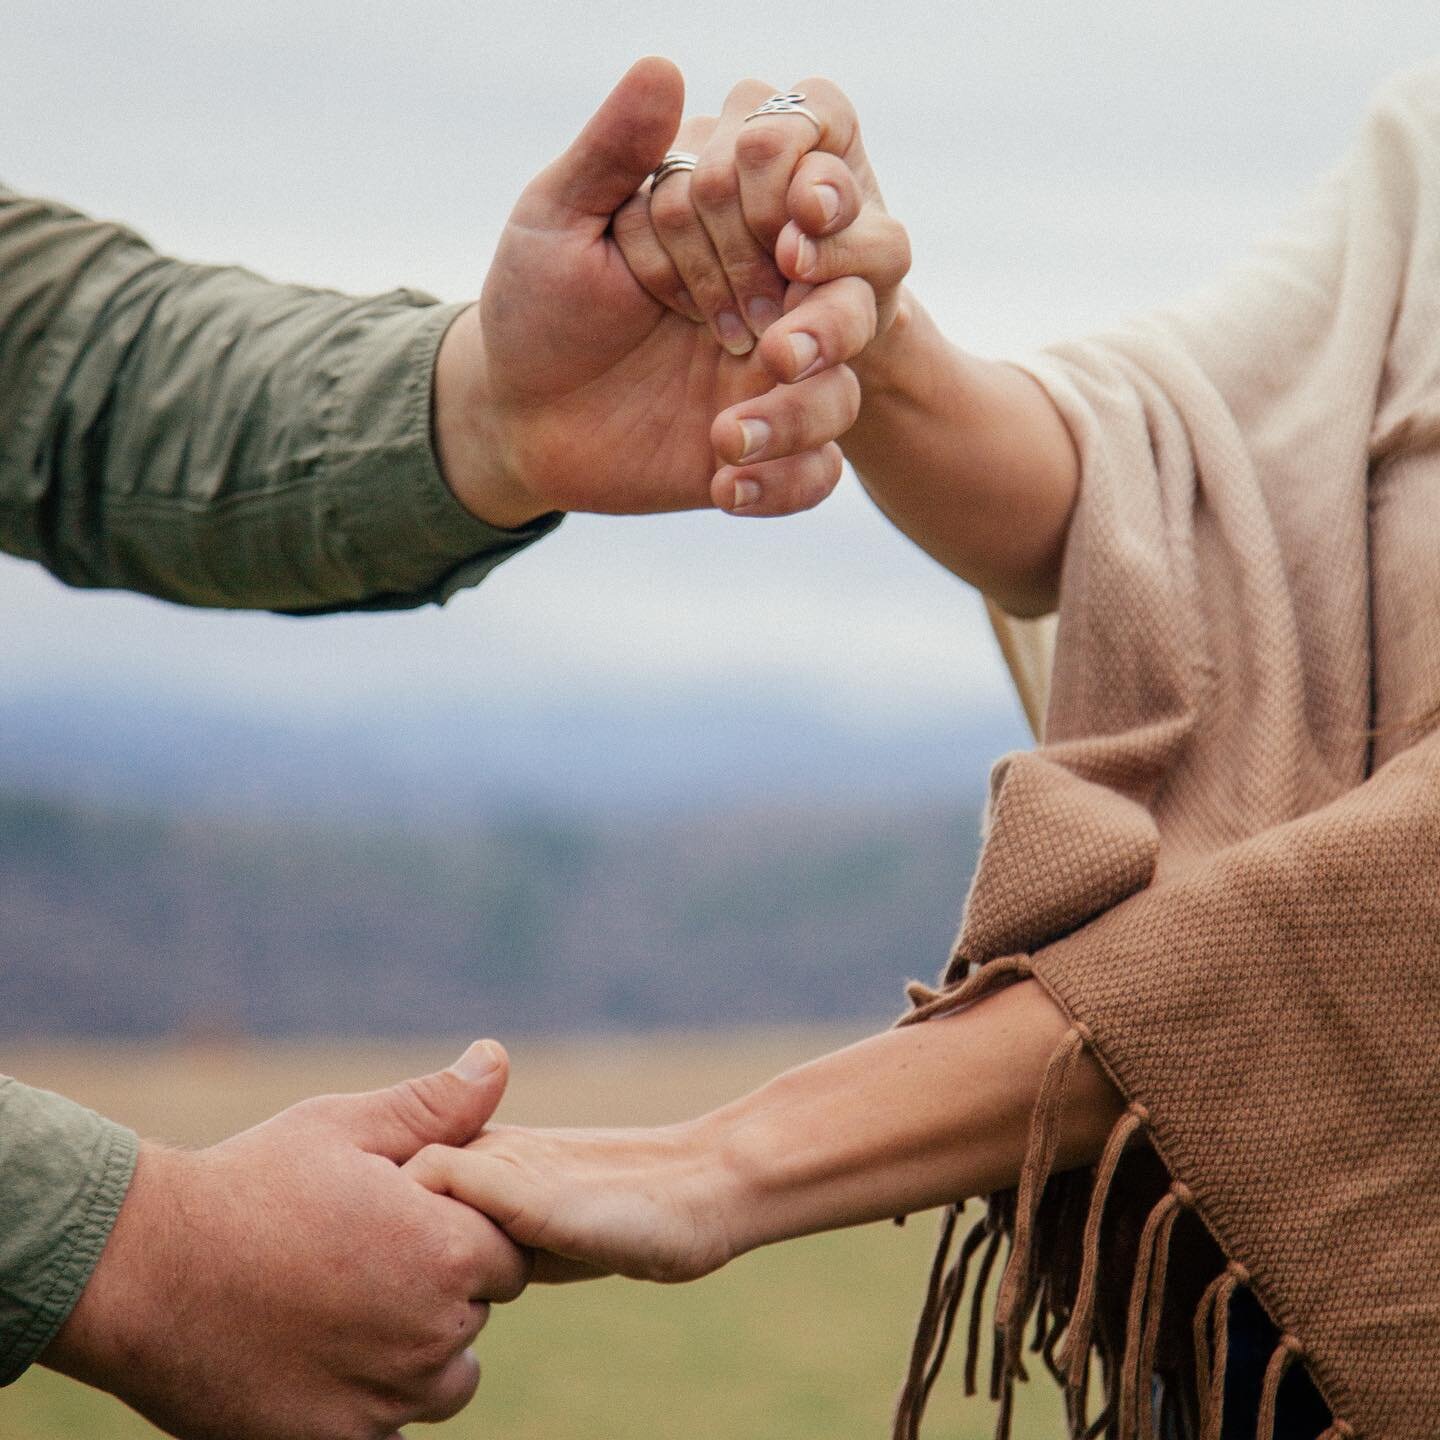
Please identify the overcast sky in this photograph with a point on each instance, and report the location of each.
(1057, 165)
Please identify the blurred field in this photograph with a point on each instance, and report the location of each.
(800, 1341)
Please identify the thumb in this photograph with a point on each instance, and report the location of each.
(450, 1107)
(623, 142)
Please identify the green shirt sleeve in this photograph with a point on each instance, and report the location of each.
(64, 1172)
(209, 437)
(213, 438)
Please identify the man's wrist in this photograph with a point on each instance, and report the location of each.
(103, 1338)
(475, 457)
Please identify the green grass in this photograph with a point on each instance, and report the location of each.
(804, 1340)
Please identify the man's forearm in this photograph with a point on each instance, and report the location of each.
(969, 458)
(213, 438)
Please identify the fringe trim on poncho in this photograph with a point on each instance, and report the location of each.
(1223, 864)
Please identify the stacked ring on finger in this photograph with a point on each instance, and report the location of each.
(789, 103)
(674, 162)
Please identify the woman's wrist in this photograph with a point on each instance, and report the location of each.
(904, 1121)
(967, 456)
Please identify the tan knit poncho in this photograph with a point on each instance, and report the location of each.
(1224, 860)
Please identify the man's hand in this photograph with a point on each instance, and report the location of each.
(573, 388)
(292, 1283)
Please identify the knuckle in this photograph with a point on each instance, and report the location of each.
(714, 184)
(316, 1110)
(820, 489)
(900, 249)
(383, 1416)
(463, 1390)
(671, 210)
(823, 90)
(758, 146)
(752, 274)
(511, 1282)
(452, 1391)
(451, 1337)
(789, 425)
(745, 92)
(823, 474)
(429, 1351)
(631, 221)
(430, 1158)
(455, 1261)
(655, 274)
(416, 1104)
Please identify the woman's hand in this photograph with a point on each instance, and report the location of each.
(649, 1204)
(774, 202)
(779, 242)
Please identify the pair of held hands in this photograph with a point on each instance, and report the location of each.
(626, 340)
(324, 1274)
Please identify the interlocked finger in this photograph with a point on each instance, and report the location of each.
(750, 269)
(876, 248)
(451, 1390)
(681, 234)
(824, 196)
(769, 147)
(788, 420)
(778, 487)
(827, 325)
(648, 259)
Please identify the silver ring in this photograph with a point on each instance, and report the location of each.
(673, 163)
(787, 104)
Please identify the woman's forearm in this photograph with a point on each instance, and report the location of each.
(969, 457)
(907, 1120)
(904, 1121)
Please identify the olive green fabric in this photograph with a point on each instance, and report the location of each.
(63, 1173)
(206, 436)
(210, 437)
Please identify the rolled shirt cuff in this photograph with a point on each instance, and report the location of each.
(389, 515)
(64, 1173)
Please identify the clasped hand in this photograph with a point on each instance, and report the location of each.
(639, 351)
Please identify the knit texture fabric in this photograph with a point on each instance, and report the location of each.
(1222, 861)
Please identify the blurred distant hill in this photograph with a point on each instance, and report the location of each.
(433, 766)
(137, 924)
(175, 872)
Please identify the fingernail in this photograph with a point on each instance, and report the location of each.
(804, 351)
(763, 313)
(755, 434)
(686, 301)
(829, 200)
(747, 492)
(733, 334)
(479, 1062)
(806, 256)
